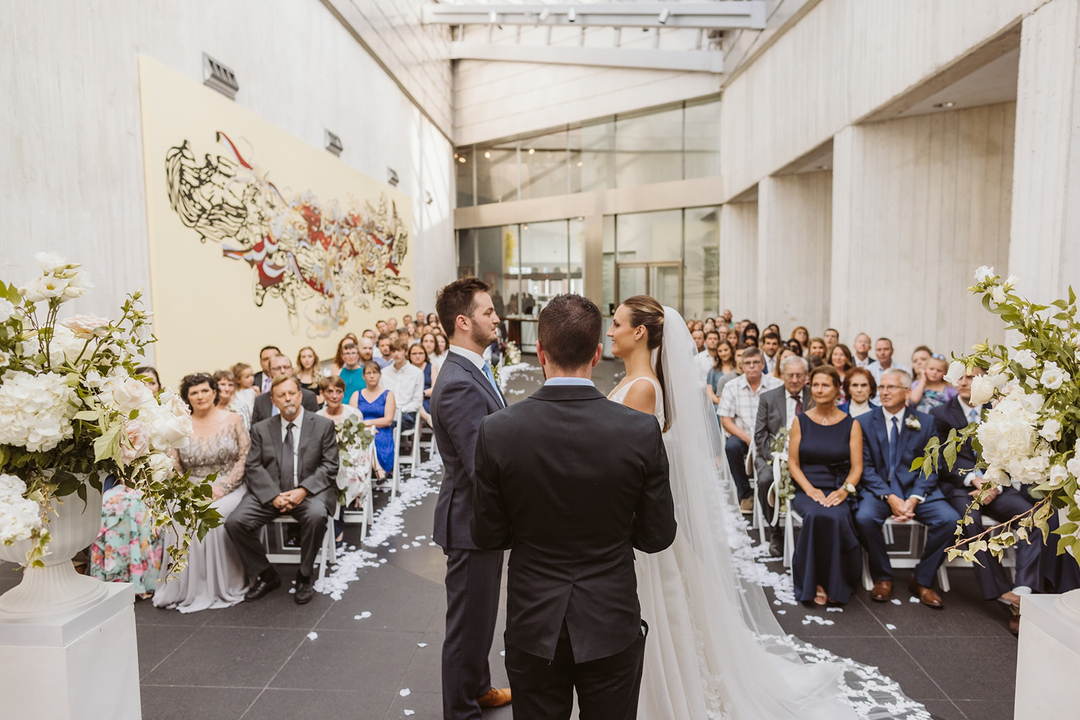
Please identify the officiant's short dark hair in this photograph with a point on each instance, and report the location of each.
(569, 330)
(458, 298)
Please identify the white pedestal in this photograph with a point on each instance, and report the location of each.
(79, 667)
(1047, 661)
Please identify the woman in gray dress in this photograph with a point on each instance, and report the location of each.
(214, 576)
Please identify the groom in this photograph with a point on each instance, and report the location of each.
(574, 483)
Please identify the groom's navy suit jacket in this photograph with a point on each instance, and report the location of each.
(462, 396)
(573, 483)
(905, 481)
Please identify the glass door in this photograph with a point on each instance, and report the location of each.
(662, 280)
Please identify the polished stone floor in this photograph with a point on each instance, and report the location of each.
(273, 659)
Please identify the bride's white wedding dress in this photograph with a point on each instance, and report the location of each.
(715, 649)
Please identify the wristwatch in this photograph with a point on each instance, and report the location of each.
(849, 488)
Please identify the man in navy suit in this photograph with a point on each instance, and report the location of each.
(465, 394)
(962, 482)
(893, 436)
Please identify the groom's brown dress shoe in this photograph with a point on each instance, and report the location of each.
(927, 596)
(493, 698)
(882, 590)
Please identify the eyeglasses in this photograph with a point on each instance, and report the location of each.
(892, 388)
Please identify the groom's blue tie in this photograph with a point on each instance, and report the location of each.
(894, 448)
(491, 379)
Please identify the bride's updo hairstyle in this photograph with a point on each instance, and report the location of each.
(646, 312)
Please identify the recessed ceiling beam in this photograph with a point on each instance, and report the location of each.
(684, 60)
(722, 15)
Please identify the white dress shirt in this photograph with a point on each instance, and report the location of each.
(297, 423)
(877, 371)
(705, 363)
(407, 384)
(791, 404)
(475, 358)
(564, 381)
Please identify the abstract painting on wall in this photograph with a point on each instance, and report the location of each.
(257, 237)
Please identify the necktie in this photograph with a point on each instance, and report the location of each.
(894, 447)
(287, 468)
(973, 415)
(491, 379)
(798, 404)
(266, 383)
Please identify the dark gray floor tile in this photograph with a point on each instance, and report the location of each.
(156, 642)
(986, 709)
(186, 703)
(275, 704)
(373, 662)
(228, 657)
(397, 600)
(147, 614)
(943, 710)
(949, 662)
(887, 655)
(276, 610)
(424, 673)
(425, 705)
(425, 561)
(854, 620)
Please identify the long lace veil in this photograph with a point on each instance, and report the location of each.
(756, 667)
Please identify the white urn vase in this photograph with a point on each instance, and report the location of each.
(57, 589)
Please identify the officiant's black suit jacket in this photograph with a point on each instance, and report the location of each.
(573, 483)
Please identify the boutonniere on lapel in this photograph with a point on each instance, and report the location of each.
(912, 422)
(495, 372)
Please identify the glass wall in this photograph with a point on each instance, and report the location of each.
(671, 143)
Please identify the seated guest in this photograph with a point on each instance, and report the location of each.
(796, 347)
(706, 359)
(840, 358)
(883, 350)
(738, 415)
(802, 336)
(776, 411)
(784, 353)
(918, 363)
(264, 407)
(352, 373)
(698, 336)
(732, 337)
(893, 437)
(962, 482)
(750, 331)
(862, 350)
(931, 390)
(263, 377)
(382, 350)
(825, 457)
(227, 398)
(832, 339)
(128, 546)
(723, 363)
(391, 326)
(770, 350)
(431, 346)
(291, 468)
(860, 390)
(333, 388)
(377, 405)
(339, 359)
(418, 357)
(406, 382)
(308, 371)
(817, 349)
(214, 576)
(245, 384)
(728, 377)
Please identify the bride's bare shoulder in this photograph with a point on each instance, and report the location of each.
(641, 396)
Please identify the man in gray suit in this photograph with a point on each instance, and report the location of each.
(464, 395)
(776, 410)
(291, 468)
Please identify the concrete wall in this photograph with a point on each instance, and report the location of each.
(70, 127)
(739, 258)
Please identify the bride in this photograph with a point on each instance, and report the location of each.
(716, 650)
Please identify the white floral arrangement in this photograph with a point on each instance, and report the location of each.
(354, 440)
(512, 354)
(72, 411)
(1029, 435)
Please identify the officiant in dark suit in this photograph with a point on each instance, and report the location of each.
(264, 406)
(893, 436)
(587, 487)
(291, 468)
(962, 482)
(465, 393)
(776, 409)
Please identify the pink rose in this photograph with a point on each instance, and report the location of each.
(136, 441)
(85, 326)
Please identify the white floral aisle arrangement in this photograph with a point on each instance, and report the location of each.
(354, 440)
(1029, 436)
(72, 411)
(512, 354)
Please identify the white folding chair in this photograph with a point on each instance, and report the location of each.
(291, 555)
(904, 558)
(413, 459)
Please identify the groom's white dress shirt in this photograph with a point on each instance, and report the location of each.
(570, 381)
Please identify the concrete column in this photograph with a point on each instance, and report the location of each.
(738, 258)
(794, 250)
(1045, 248)
(919, 204)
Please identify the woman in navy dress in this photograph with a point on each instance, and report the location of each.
(377, 405)
(825, 456)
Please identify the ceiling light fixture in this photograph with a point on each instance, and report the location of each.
(544, 14)
(945, 105)
(461, 159)
(571, 15)
(487, 155)
(532, 151)
(664, 15)
(579, 163)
